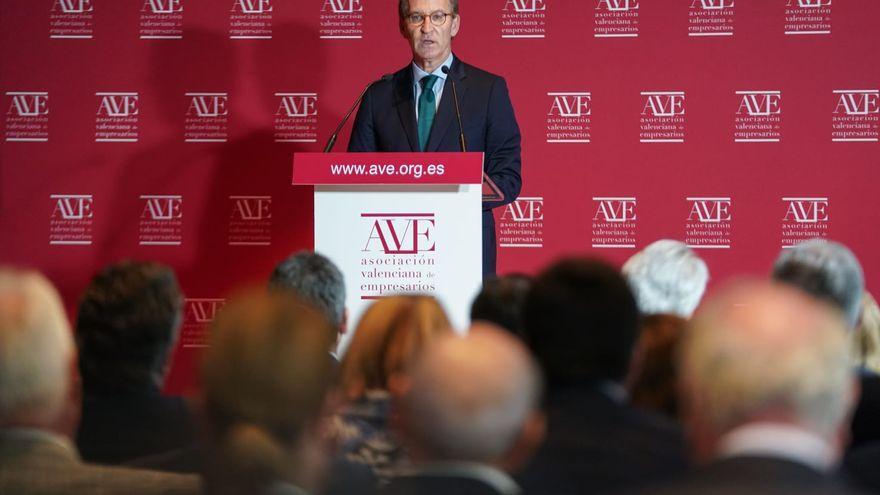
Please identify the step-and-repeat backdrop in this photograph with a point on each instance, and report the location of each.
(164, 129)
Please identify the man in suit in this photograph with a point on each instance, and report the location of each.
(582, 323)
(414, 110)
(39, 405)
(470, 415)
(767, 387)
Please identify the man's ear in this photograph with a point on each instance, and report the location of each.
(456, 25)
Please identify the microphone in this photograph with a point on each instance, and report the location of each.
(332, 141)
(457, 110)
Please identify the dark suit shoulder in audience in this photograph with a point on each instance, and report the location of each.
(861, 465)
(596, 444)
(866, 419)
(755, 475)
(116, 428)
(458, 479)
(34, 462)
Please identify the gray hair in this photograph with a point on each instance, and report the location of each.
(759, 348)
(316, 279)
(403, 8)
(36, 346)
(827, 270)
(471, 396)
(667, 277)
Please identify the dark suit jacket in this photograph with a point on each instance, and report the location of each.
(754, 475)
(116, 428)
(597, 445)
(866, 418)
(36, 463)
(461, 479)
(386, 122)
(862, 464)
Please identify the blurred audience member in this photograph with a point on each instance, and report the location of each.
(501, 301)
(582, 323)
(317, 280)
(667, 277)
(829, 271)
(866, 340)
(652, 376)
(39, 404)
(767, 386)
(470, 415)
(126, 330)
(265, 377)
(387, 341)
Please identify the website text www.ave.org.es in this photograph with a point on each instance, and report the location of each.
(414, 170)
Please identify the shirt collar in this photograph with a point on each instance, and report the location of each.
(497, 479)
(778, 440)
(418, 73)
(37, 435)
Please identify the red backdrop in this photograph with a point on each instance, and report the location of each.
(164, 129)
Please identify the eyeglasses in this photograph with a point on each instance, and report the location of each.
(438, 18)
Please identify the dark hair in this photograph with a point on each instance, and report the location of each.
(127, 323)
(581, 322)
(501, 301)
(653, 374)
(316, 279)
(403, 8)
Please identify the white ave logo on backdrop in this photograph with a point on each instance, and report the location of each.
(708, 224)
(71, 220)
(712, 4)
(71, 19)
(296, 119)
(207, 118)
(251, 20)
(616, 19)
(804, 218)
(341, 19)
(856, 115)
(250, 223)
(117, 118)
(614, 222)
(524, 19)
(807, 17)
(161, 19)
(27, 116)
(522, 223)
(198, 314)
(569, 117)
(758, 117)
(618, 5)
(161, 222)
(711, 18)
(662, 117)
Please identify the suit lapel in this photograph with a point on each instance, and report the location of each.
(446, 111)
(403, 96)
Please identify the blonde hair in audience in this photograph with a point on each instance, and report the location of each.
(36, 347)
(388, 337)
(866, 338)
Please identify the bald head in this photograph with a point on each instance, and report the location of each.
(762, 351)
(471, 396)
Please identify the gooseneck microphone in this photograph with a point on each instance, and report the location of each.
(457, 110)
(332, 141)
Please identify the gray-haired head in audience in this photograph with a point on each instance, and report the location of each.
(667, 277)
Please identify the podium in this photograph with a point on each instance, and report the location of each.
(399, 223)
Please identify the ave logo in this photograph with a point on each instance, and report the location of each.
(162, 6)
(252, 6)
(204, 105)
(712, 4)
(663, 104)
(251, 208)
(525, 5)
(342, 6)
(297, 104)
(615, 210)
(72, 6)
(570, 104)
(806, 210)
(26, 104)
(72, 206)
(759, 103)
(118, 104)
(398, 234)
(808, 4)
(618, 5)
(202, 310)
(524, 210)
(709, 210)
(162, 208)
(857, 102)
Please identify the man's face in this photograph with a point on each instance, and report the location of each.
(429, 42)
